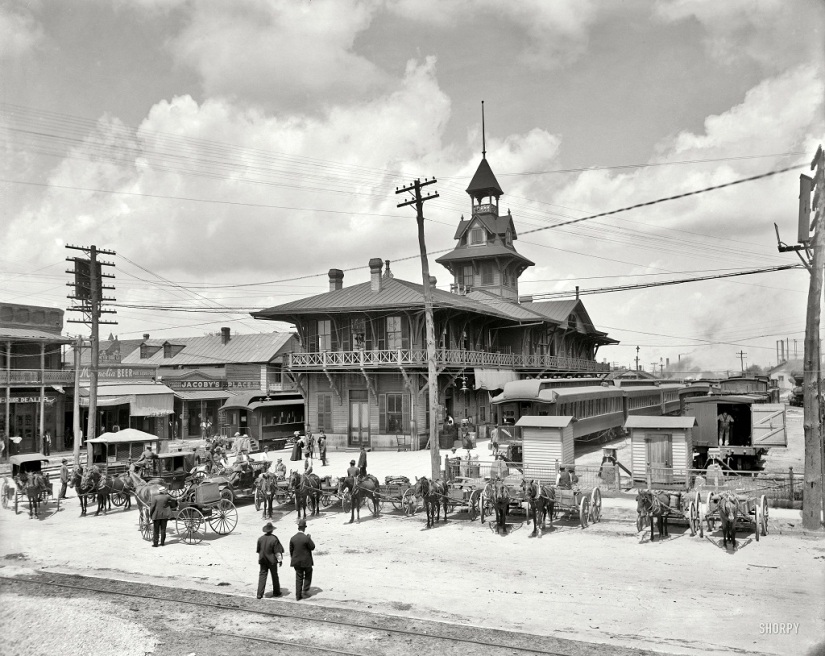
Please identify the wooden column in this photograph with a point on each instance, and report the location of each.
(42, 395)
(6, 437)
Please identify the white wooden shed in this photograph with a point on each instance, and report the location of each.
(547, 440)
(664, 443)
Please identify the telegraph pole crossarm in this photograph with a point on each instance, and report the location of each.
(432, 373)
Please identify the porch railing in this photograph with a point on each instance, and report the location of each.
(444, 357)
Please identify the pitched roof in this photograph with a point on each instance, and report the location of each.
(395, 293)
(514, 310)
(479, 252)
(210, 349)
(33, 334)
(484, 181)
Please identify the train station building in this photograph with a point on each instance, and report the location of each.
(362, 360)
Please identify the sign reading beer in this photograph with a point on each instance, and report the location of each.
(119, 372)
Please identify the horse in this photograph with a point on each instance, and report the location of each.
(267, 483)
(542, 499)
(434, 493)
(82, 486)
(306, 486)
(33, 484)
(121, 484)
(360, 489)
(727, 506)
(500, 494)
(650, 504)
(95, 482)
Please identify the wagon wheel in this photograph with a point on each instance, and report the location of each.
(188, 524)
(693, 519)
(118, 499)
(228, 494)
(4, 491)
(224, 517)
(584, 510)
(408, 501)
(473, 508)
(145, 524)
(596, 505)
(179, 493)
(326, 500)
(397, 501)
(763, 503)
(258, 499)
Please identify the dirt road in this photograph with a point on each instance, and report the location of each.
(603, 584)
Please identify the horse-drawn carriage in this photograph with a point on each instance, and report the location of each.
(27, 481)
(239, 480)
(736, 500)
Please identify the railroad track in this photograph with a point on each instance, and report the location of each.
(383, 634)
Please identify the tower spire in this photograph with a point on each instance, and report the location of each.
(483, 139)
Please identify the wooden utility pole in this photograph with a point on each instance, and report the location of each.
(432, 373)
(811, 238)
(637, 358)
(742, 355)
(76, 425)
(89, 291)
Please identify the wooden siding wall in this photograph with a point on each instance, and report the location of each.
(682, 445)
(544, 446)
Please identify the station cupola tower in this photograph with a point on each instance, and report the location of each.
(485, 258)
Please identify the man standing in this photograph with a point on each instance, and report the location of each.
(300, 549)
(310, 443)
(64, 479)
(160, 511)
(362, 461)
(322, 448)
(270, 556)
(352, 470)
(47, 444)
(725, 420)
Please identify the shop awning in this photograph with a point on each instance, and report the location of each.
(493, 379)
(205, 395)
(124, 435)
(275, 403)
(145, 400)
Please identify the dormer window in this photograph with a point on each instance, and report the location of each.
(508, 238)
(571, 321)
(144, 352)
(477, 236)
(167, 350)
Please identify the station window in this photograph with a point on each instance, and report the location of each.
(477, 236)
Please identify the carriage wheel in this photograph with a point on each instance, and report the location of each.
(188, 524)
(584, 510)
(473, 509)
(326, 500)
(596, 505)
(118, 499)
(408, 501)
(763, 504)
(228, 494)
(179, 493)
(693, 519)
(4, 492)
(258, 499)
(397, 502)
(145, 524)
(224, 517)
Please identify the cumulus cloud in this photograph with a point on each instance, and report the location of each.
(19, 33)
(284, 54)
(754, 29)
(557, 32)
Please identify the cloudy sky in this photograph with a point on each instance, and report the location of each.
(230, 151)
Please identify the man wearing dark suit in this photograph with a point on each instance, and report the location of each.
(160, 510)
(352, 470)
(64, 478)
(300, 549)
(362, 461)
(270, 556)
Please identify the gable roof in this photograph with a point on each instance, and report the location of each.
(484, 181)
(513, 310)
(495, 249)
(210, 349)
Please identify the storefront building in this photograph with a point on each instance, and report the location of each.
(362, 364)
(32, 384)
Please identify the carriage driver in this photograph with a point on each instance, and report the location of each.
(280, 469)
(352, 470)
(145, 460)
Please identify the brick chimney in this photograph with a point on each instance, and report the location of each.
(145, 337)
(336, 280)
(376, 265)
(225, 335)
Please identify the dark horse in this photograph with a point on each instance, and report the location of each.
(122, 485)
(727, 506)
(267, 483)
(360, 489)
(33, 484)
(434, 494)
(499, 493)
(306, 486)
(650, 504)
(95, 482)
(82, 486)
(542, 500)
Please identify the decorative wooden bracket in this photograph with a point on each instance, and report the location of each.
(297, 380)
(334, 387)
(427, 384)
(369, 385)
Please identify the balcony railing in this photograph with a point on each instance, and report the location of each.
(33, 377)
(448, 358)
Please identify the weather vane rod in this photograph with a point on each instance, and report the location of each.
(483, 139)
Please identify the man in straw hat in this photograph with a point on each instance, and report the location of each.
(270, 556)
(160, 510)
(300, 549)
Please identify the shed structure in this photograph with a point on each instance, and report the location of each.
(547, 442)
(663, 443)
